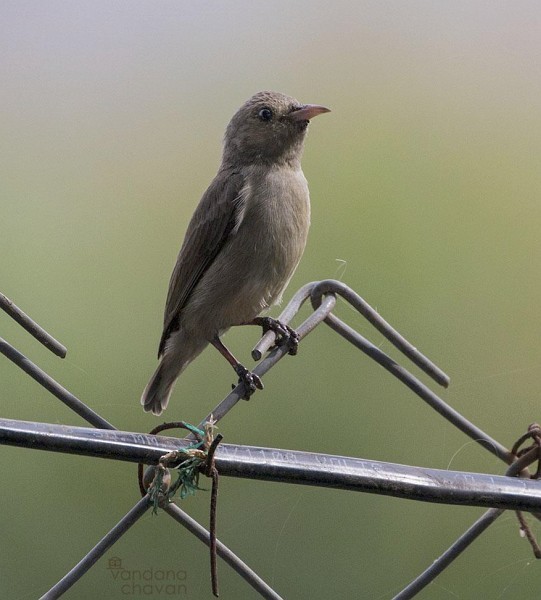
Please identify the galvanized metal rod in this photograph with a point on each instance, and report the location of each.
(443, 561)
(292, 308)
(223, 552)
(398, 341)
(69, 399)
(32, 327)
(317, 289)
(273, 464)
(319, 292)
(98, 551)
(419, 388)
(278, 353)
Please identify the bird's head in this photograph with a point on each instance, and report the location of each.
(268, 128)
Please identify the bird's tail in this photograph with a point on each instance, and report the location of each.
(158, 391)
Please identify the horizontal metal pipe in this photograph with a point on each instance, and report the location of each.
(272, 464)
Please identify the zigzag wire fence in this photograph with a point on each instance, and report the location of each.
(514, 491)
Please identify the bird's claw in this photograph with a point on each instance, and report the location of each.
(292, 341)
(285, 335)
(249, 380)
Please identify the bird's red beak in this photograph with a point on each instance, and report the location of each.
(308, 111)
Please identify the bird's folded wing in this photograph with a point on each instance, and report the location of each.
(211, 224)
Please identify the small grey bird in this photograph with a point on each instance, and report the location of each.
(243, 243)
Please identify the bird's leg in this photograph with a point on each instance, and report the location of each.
(285, 335)
(250, 380)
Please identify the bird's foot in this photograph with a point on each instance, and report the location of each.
(249, 380)
(285, 335)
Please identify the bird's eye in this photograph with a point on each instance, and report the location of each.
(265, 114)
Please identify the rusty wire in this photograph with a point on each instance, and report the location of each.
(323, 297)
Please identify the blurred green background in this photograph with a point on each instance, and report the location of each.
(425, 187)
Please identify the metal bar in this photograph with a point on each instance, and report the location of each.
(443, 561)
(337, 287)
(98, 551)
(70, 400)
(278, 353)
(319, 292)
(32, 327)
(292, 308)
(223, 552)
(270, 464)
(317, 289)
(419, 388)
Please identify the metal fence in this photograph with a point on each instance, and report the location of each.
(515, 491)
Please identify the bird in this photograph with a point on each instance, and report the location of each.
(243, 242)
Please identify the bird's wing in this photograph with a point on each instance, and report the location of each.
(212, 222)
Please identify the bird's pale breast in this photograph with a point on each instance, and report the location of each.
(261, 254)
